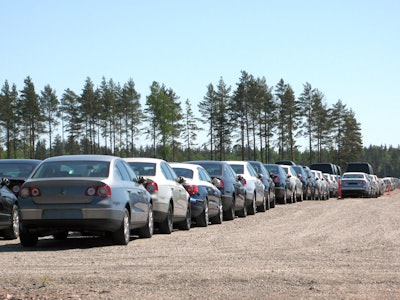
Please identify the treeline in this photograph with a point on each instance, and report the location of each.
(254, 120)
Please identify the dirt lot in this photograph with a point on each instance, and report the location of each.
(335, 249)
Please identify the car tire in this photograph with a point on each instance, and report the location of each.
(264, 205)
(203, 219)
(167, 225)
(187, 223)
(12, 232)
(219, 217)
(148, 230)
(27, 239)
(122, 235)
(273, 202)
(229, 214)
(252, 208)
(284, 199)
(243, 212)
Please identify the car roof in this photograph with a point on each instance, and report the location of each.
(143, 159)
(81, 157)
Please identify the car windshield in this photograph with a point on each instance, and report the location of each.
(16, 170)
(143, 168)
(187, 173)
(78, 168)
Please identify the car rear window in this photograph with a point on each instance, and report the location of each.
(143, 168)
(72, 169)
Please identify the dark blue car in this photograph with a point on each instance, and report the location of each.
(281, 181)
(232, 189)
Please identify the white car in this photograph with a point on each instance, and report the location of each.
(324, 189)
(205, 197)
(171, 201)
(295, 182)
(254, 187)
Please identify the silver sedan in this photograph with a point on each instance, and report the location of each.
(94, 194)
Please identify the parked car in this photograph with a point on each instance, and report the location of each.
(269, 191)
(285, 162)
(329, 168)
(359, 166)
(17, 170)
(305, 181)
(95, 194)
(320, 185)
(205, 197)
(171, 201)
(255, 199)
(297, 186)
(283, 189)
(311, 179)
(356, 184)
(375, 188)
(9, 212)
(232, 188)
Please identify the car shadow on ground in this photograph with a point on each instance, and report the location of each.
(48, 243)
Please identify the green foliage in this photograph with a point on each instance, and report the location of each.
(250, 122)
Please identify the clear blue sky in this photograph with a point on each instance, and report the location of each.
(348, 49)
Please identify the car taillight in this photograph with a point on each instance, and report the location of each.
(101, 191)
(151, 186)
(29, 192)
(276, 179)
(222, 184)
(16, 189)
(191, 189)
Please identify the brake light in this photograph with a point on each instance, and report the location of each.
(29, 192)
(222, 183)
(276, 179)
(101, 191)
(191, 189)
(16, 188)
(151, 186)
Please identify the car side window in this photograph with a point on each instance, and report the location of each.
(204, 175)
(251, 170)
(119, 167)
(167, 171)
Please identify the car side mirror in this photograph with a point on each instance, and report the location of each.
(180, 179)
(4, 182)
(139, 179)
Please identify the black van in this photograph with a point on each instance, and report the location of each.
(359, 166)
(326, 168)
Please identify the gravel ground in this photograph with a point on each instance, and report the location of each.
(334, 249)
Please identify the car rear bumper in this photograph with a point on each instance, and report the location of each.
(45, 221)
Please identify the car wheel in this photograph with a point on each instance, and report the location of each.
(186, 224)
(230, 213)
(13, 231)
(219, 217)
(273, 202)
(301, 198)
(203, 220)
(264, 205)
(123, 235)
(148, 230)
(243, 212)
(27, 239)
(167, 225)
(252, 207)
(61, 235)
(284, 199)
